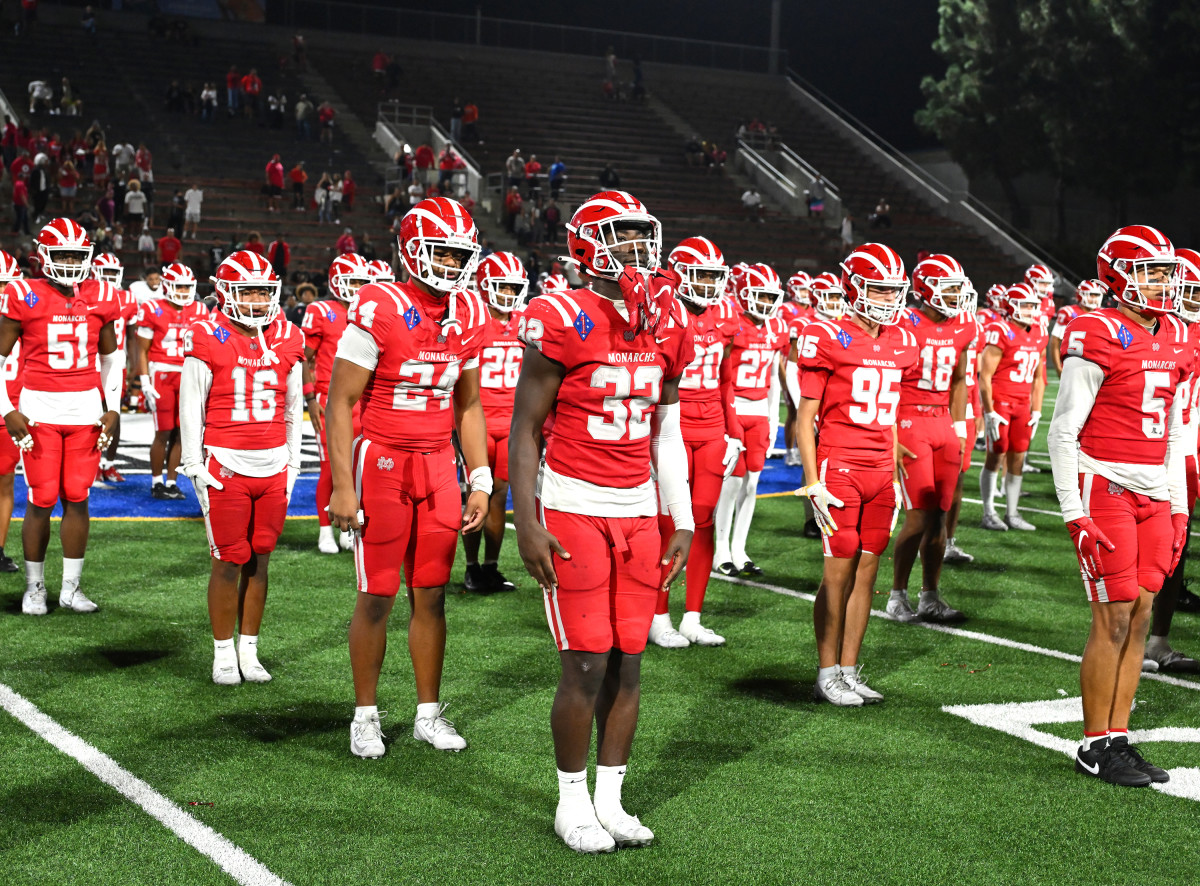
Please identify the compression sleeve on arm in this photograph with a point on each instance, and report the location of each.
(1081, 380)
(669, 457)
(193, 395)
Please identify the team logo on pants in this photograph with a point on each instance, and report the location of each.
(1115, 489)
(385, 463)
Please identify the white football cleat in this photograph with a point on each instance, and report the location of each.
(366, 736)
(225, 671)
(955, 554)
(346, 541)
(252, 670)
(663, 633)
(582, 832)
(1149, 666)
(75, 600)
(34, 601)
(900, 609)
(625, 829)
(1016, 521)
(836, 691)
(700, 635)
(991, 521)
(854, 680)
(439, 732)
(326, 543)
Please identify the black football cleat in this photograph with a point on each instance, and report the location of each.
(727, 568)
(811, 529)
(1187, 601)
(495, 578)
(159, 491)
(6, 563)
(1099, 762)
(749, 569)
(1133, 757)
(474, 579)
(174, 493)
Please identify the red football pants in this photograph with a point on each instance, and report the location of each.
(705, 475)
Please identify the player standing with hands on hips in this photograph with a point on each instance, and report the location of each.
(410, 353)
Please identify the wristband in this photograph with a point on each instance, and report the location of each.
(960, 429)
(309, 391)
(480, 480)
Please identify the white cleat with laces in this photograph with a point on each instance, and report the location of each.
(1016, 521)
(582, 832)
(853, 678)
(225, 671)
(663, 633)
(34, 601)
(366, 736)
(993, 522)
(439, 732)
(836, 691)
(326, 541)
(626, 830)
(694, 632)
(75, 600)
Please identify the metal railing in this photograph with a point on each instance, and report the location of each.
(398, 124)
(387, 21)
(792, 184)
(958, 205)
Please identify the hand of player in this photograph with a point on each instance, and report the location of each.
(899, 503)
(344, 510)
(18, 428)
(106, 423)
(1034, 419)
(903, 452)
(822, 501)
(201, 480)
(992, 422)
(676, 554)
(733, 450)
(1179, 529)
(537, 547)
(475, 511)
(316, 414)
(292, 474)
(149, 392)
(1088, 541)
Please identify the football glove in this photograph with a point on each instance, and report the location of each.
(148, 392)
(292, 474)
(1034, 420)
(1179, 529)
(992, 422)
(822, 500)
(899, 504)
(201, 480)
(733, 450)
(1088, 541)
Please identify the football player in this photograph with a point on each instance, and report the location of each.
(241, 412)
(107, 267)
(796, 312)
(323, 324)
(1041, 280)
(1117, 450)
(10, 455)
(609, 358)
(1011, 386)
(712, 446)
(410, 352)
(850, 381)
(161, 323)
(746, 378)
(551, 283)
(381, 271)
(932, 433)
(1089, 295)
(993, 312)
(69, 403)
(503, 282)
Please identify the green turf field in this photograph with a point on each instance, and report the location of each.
(742, 777)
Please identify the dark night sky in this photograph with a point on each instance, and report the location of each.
(869, 55)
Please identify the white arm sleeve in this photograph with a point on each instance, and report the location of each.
(669, 457)
(110, 379)
(1081, 380)
(193, 395)
(791, 374)
(356, 346)
(293, 413)
(1177, 452)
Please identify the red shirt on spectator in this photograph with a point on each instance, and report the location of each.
(20, 166)
(325, 113)
(298, 175)
(169, 248)
(380, 62)
(20, 195)
(275, 172)
(513, 202)
(68, 178)
(251, 84)
(232, 80)
(349, 189)
(143, 159)
(9, 140)
(448, 162)
(470, 113)
(345, 243)
(254, 246)
(279, 253)
(423, 158)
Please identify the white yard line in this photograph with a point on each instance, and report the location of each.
(231, 859)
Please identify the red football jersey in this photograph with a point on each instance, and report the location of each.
(60, 336)
(701, 412)
(796, 316)
(1063, 318)
(611, 386)
(245, 406)
(1142, 370)
(939, 346)
(499, 368)
(12, 373)
(752, 350)
(857, 379)
(323, 325)
(166, 323)
(973, 356)
(407, 403)
(987, 316)
(1020, 358)
(129, 312)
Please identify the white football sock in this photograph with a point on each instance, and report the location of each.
(663, 620)
(364, 712)
(223, 651)
(608, 789)
(723, 519)
(824, 674)
(987, 490)
(35, 573)
(773, 394)
(1012, 493)
(325, 533)
(72, 573)
(1089, 740)
(573, 791)
(690, 619)
(105, 464)
(899, 593)
(247, 645)
(743, 515)
(170, 481)
(427, 710)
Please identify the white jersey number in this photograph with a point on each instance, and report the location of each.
(1154, 424)
(702, 372)
(415, 375)
(876, 393)
(64, 341)
(753, 369)
(937, 367)
(633, 397)
(500, 367)
(262, 403)
(1027, 366)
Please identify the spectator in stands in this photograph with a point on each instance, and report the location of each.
(346, 242)
(135, 207)
(303, 113)
(8, 141)
(233, 89)
(393, 74)
(69, 102)
(610, 65)
(609, 180)
(322, 199)
(40, 96)
(88, 21)
(533, 178)
(512, 208)
(396, 205)
(100, 165)
(639, 82)
(693, 151)
(847, 232)
(146, 246)
(106, 207)
(882, 216)
(366, 248)
(273, 177)
(193, 200)
(169, 248)
(144, 161)
(752, 203)
(173, 100)
(325, 117)
(456, 118)
(337, 193)
(467, 201)
(349, 189)
(150, 286)
(423, 163)
(300, 52)
(471, 123)
(276, 108)
(379, 65)
(298, 177)
(216, 255)
(416, 193)
(176, 218)
(716, 158)
(552, 218)
(251, 89)
(20, 203)
(123, 157)
(208, 103)
(816, 198)
(38, 181)
(558, 177)
(305, 295)
(279, 254)
(254, 244)
(447, 163)
(514, 167)
(102, 240)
